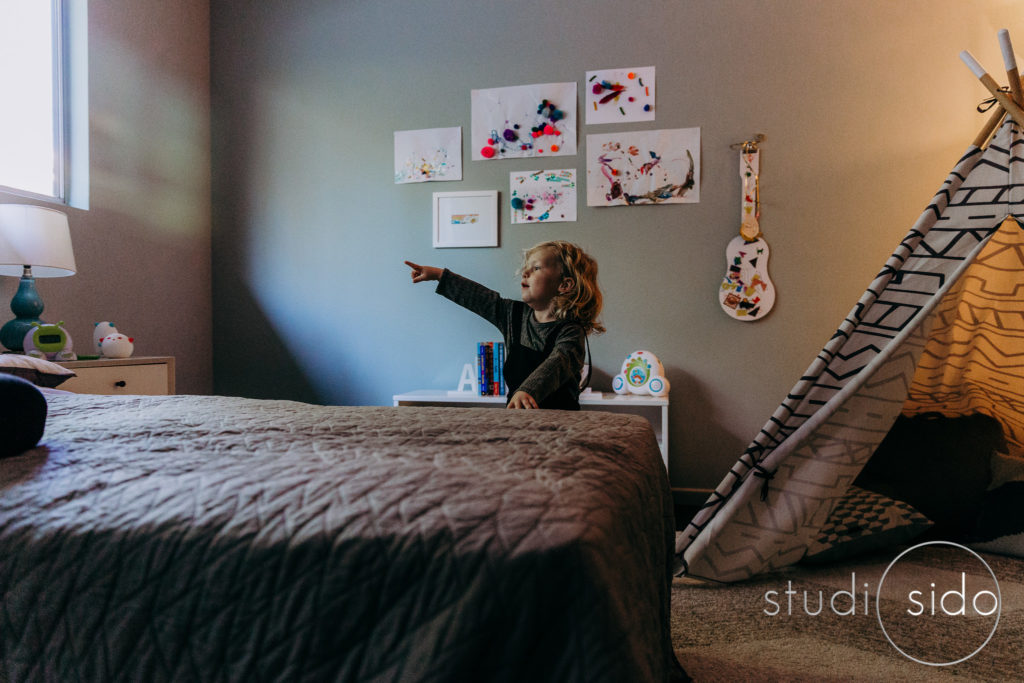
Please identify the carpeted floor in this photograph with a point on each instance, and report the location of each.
(745, 631)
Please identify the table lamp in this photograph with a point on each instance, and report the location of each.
(31, 237)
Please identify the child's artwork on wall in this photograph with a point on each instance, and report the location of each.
(543, 196)
(617, 95)
(644, 167)
(524, 121)
(465, 219)
(428, 154)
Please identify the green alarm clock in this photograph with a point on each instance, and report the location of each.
(48, 340)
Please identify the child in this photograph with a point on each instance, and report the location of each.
(545, 333)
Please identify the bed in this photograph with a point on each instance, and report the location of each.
(217, 538)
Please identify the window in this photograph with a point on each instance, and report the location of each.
(31, 121)
(41, 99)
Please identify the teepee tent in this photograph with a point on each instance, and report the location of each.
(941, 328)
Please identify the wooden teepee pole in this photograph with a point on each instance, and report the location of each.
(1016, 87)
(998, 113)
(1003, 98)
(1010, 60)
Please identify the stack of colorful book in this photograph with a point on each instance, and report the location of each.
(490, 359)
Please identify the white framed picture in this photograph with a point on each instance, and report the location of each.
(466, 219)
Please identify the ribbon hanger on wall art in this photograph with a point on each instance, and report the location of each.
(746, 292)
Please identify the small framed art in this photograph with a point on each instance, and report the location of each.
(466, 219)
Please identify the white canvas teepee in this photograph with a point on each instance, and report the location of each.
(953, 353)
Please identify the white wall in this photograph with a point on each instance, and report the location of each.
(865, 106)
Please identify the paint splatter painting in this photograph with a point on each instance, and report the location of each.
(543, 196)
(619, 95)
(644, 167)
(428, 154)
(524, 121)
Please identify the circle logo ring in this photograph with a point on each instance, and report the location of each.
(878, 609)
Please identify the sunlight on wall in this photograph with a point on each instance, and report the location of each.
(147, 133)
(292, 274)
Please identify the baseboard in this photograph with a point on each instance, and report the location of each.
(690, 497)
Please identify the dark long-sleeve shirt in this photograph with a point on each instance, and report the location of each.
(564, 365)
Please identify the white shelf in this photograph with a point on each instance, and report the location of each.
(654, 409)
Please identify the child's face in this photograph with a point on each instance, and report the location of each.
(541, 279)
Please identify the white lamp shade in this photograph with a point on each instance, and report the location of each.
(35, 236)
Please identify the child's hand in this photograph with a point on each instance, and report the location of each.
(424, 273)
(521, 399)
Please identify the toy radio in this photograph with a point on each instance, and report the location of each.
(642, 373)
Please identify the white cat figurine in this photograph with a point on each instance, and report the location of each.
(116, 346)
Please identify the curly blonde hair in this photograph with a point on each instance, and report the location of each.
(582, 304)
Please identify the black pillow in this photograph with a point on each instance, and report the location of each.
(22, 415)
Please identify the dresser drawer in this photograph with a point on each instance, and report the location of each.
(111, 378)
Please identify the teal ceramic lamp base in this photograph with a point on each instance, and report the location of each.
(27, 307)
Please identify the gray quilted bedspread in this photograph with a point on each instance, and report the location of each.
(201, 538)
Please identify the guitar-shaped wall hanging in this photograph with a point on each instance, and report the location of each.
(746, 292)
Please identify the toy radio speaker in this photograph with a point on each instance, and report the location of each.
(642, 373)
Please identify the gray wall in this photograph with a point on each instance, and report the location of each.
(143, 247)
(865, 106)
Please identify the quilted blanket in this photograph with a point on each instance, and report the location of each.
(214, 538)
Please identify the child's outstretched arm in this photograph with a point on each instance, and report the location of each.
(424, 273)
(485, 302)
(472, 296)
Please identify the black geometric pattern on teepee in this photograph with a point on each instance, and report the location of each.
(781, 491)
